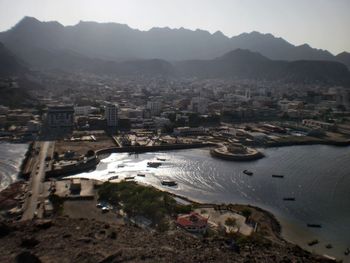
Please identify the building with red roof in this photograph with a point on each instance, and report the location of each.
(193, 222)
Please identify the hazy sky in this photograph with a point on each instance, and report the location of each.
(323, 24)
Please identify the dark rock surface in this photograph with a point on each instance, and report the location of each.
(85, 241)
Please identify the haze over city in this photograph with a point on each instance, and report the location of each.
(321, 23)
(174, 131)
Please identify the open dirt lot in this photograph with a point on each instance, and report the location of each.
(87, 209)
(81, 147)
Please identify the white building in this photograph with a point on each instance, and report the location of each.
(83, 110)
(199, 105)
(155, 107)
(111, 115)
(60, 117)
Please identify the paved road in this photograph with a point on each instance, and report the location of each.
(37, 178)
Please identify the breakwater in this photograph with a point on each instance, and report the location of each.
(236, 157)
(79, 167)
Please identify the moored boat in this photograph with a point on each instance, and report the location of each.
(313, 242)
(168, 182)
(314, 225)
(154, 164)
(277, 176)
(288, 199)
(247, 172)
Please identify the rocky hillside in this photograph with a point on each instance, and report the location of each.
(9, 63)
(80, 240)
(113, 41)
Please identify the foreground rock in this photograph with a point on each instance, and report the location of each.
(81, 240)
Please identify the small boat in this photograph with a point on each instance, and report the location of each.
(154, 164)
(168, 182)
(314, 225)
(329, 246)
(113, 178)
(121, 165)
(277, 176)
(111, 172)
(248, 172)
(161, 159)
(347, 252)
(141, 175)
(129, 177)
(313, 242)
(288, 199)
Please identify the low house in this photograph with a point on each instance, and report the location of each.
(75, 186)
(193, 222)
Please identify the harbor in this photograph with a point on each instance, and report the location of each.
(195, 175)
(319, 195)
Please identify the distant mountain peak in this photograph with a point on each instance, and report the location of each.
(242, 53)
(344, 53)
(27, 20)
(304, 46)
(31, 22)
(114, 41)
(219, 34)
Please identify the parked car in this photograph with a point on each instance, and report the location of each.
(105, 209)
(99, 205)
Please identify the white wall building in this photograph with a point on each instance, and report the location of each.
(83, 110)
(155, 107)
(199, 105)
(111, 115)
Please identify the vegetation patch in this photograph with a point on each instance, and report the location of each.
(138, 200)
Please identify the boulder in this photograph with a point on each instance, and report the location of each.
(27, 257)
(5, 229)
(43, 223)
(29, 242)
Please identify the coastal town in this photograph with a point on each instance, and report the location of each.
(174, 131)
(70, 130)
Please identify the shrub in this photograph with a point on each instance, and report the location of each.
(141, 200)
(230, 222)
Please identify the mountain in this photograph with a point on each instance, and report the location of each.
(246, 64)
(278, 48)
(14, 95)
(117, 49)
(344, 58)
(9, 64)
(35, 42)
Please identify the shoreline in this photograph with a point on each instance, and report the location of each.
(274, 224)
(307, 142)
(266, 212)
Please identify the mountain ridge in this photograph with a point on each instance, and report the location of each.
(115, 41)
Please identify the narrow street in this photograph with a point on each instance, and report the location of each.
(37, 178)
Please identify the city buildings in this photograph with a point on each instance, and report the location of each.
(111, 115)
(60, 118)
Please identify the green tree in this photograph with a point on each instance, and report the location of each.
(230, 221)
(246, 213)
